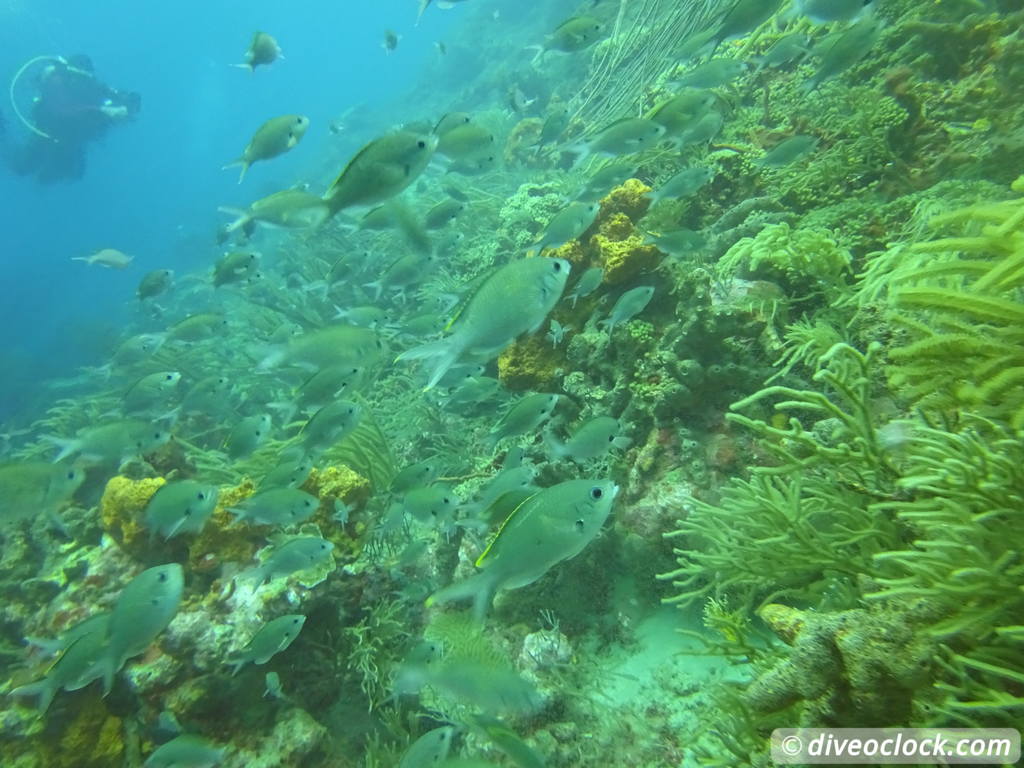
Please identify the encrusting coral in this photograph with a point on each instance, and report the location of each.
(854, 666)
(122, 506)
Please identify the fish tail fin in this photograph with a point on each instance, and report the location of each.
(480, 588)
(250, 67)
(67, 446)
(43, 692)
(553, 444)
(80, 258)
(238, 514)
(257, 575)
(242, 218)
(537, 56)
(491, 441)
(378, 287)
(286, 408)
(581, 152)
(422, 8)
(444, 353)
(239, 161)
(107, 667)
(271, 360)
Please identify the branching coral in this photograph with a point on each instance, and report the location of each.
(366, 450)
(642, 37)
(959, 299)
(374, 643)
(805, 259)
(796, 524)
(967, 495)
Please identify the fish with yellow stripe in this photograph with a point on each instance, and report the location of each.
(551, 526)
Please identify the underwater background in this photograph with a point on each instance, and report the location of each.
(566, 383)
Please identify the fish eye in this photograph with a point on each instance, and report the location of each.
(558, 266)
(71, 474)
(168, 377)
(421, 144)
(445, 500)
(611, 438)
(157, 435)
(579, 525)
(163, 576)
(351, 410)
(201, 496)
(596, 493)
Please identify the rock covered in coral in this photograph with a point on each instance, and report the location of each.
(525, 213)
(520, 148)
(802, 258)
(850, 668)
(544, 649)
(530, 363)
(336, 486)
(629, 199)
(296, 739)
(121, 509)
(621, 251)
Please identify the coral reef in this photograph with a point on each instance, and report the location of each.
(959, 300)
(855, 666)
(221, 541)
(531, 363)
(121, 508)
(628, 199)
(825, 398)
(804, 259)
(621, 252)
(521, 142)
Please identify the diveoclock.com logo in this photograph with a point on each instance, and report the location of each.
(908, 746)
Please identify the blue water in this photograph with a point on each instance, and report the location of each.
(152, 187)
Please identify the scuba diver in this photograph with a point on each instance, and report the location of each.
(71, 108)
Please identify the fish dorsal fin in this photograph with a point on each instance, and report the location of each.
(482, 560)
(473, 291)
(355, 159)
(64, 653)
